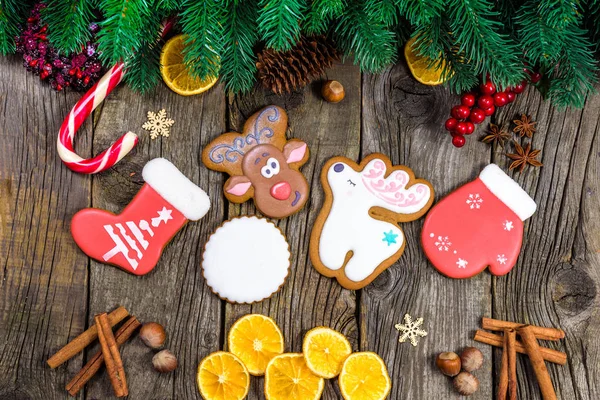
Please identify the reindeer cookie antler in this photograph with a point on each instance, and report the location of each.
(262, 164)
(356, 236)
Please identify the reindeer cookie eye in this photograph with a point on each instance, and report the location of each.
(271, 169)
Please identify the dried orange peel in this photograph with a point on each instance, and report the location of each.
(222, 376)
(420, 66)
(325, 350)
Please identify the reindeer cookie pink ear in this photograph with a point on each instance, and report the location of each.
(238, 186)
(295, 151)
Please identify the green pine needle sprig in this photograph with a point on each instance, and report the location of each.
(12, 13)
(320, 14)
(279, 22)
(68, 23)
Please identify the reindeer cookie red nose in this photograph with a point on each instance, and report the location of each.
(281, 191)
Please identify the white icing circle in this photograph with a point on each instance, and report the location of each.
(246, 260)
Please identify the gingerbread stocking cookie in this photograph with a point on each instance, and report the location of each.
(262, 163)
(478, 225)
(134, 239)
(356, 236)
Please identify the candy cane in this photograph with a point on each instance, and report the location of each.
(78, 114)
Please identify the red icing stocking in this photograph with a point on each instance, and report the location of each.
(478, 225)
(134, 239)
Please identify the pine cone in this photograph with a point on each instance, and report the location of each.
(283, 72)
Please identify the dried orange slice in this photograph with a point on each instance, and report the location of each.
(325, 350)
(255, 339)
(364, 376)
(419, 66)
(222, 376)
(175, 73)
(287, 377)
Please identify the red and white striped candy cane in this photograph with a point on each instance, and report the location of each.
(78, 114)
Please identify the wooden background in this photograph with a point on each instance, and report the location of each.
(49, 290)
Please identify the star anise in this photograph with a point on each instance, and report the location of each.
(524, 126)
(524, 157)
(497, 135)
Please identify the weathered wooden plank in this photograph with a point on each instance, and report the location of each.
(307, 299)
(43, 276)
(174, 293)
(556, 280)
(404, 120)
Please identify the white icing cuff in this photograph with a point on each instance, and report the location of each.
(176, 188)
(508, 191)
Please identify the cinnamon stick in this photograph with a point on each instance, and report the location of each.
(537, 361)
(77, 345)
(554, 356)
(503, 381)
(539, 331)
(112, 358)
(511, 359)
(94, 364)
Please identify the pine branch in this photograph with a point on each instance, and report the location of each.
(383, 11)
(201, 22)
(553, 34)
(279, 22)
(239, 67)
(373, 45)
(320, 14)
(420, 12)
(68, 23)
(124, 30)
(476, 29)
(12, 13)
(168, 6)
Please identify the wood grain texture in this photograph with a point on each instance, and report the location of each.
(307, 299)
(47, 295)
(404, 120)
(43, 276)
(174, 293)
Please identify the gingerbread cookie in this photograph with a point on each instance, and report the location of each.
(478, 225)
(246, 260)
(262, 163)
(356, 236)
(134, 239)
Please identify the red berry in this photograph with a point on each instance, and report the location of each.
(510, 96)
(468, 99)
(488, 88)
(477, 116)
(460, 112)
(458, 140)
(535, 78)
(519, 87)
(500, 99)
(451, 124)
(485, 101)
(489, 111)
(461, 128)
(470, 128)
(44, 74)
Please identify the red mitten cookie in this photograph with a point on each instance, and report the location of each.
(478, 225)
(134, 239)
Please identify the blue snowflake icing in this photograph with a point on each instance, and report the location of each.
(389, 237)
(231, 152)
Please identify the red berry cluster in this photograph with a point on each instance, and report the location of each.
(474, 108)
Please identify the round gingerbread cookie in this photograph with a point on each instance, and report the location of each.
(246, 260)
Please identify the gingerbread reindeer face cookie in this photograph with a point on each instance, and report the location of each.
(262, 163)
(356, 236)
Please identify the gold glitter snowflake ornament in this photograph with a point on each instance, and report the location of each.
(410, 330)
(158, 124)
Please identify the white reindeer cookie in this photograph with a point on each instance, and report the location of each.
(356, 236)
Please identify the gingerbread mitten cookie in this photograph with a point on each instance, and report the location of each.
(478, 225)
(356, 236)
(262, 163)
(134, 239)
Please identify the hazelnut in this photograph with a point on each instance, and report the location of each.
(333, 91)
(471, 358)
(153, 335)
(465, 383)
(448, 363)
(164, 361)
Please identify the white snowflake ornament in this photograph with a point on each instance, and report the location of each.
(410, 330)
(158, 124)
